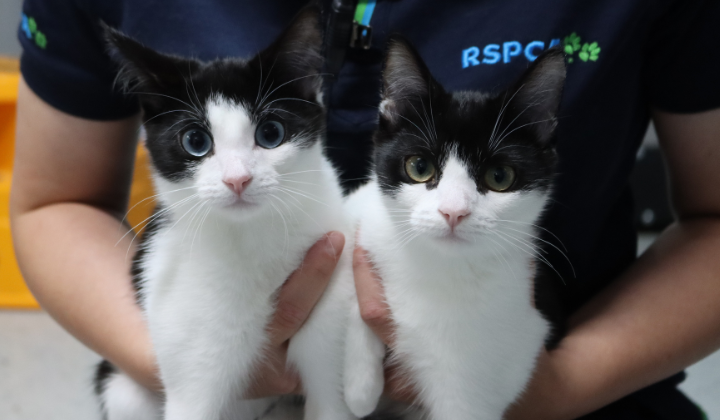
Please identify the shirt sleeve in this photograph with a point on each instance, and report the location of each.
(684, 60)
(64, 59)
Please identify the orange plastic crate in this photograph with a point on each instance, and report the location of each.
(13, 292)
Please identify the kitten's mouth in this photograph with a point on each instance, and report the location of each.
(241, 203)
(453, 237)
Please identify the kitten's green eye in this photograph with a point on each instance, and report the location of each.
(419, 169)
(499, 178)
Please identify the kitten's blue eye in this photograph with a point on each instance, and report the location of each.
(270, 134)
(499, 178)
(197, 142)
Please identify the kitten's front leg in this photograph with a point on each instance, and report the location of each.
(206, 358)
(210, 392)
(317, 350)
(363, 373)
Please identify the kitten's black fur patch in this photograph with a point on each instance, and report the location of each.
(103, 372)
(514, 128)
(136, 270)
(173, 91)
(548, 292)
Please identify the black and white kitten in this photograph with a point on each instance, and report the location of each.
(449, 222)
(244, 189)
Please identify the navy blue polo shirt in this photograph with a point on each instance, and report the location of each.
(625, 58)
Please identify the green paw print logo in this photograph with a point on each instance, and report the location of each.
(586, 52)
(30, 28)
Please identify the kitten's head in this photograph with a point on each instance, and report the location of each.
(228, 132)
(456, 166)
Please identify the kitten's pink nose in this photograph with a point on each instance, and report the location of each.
(454, 217)
(238, 184)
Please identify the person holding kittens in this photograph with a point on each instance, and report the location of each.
(634, 324)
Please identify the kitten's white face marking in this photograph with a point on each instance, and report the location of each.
(430, 213)
(239, 177)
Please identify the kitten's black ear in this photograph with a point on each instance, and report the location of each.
(536, 96)
(143, 68)
(296, 55)
(405, 76)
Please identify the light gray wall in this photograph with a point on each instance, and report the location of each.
(9, 20)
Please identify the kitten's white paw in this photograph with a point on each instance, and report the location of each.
(363, 391)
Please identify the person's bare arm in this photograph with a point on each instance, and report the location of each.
(71, 179)
(662, 315)
(70, 189)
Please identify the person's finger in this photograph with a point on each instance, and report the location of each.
(305, 286)
(371, 297)
(274, 378)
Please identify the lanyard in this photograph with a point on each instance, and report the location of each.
(362, 31)
(364, 11)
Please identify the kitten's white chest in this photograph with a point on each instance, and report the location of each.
(466, 330)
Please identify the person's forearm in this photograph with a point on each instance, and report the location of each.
(662, 315)
(72, 261)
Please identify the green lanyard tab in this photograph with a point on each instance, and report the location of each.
(362, 31)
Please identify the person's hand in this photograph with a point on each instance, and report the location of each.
(296, 300)
(376, 314)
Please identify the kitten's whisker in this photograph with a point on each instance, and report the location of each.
(165, 113)
(501, 135)
(187, 92)
(524, 125)
(549, 243)
(427, 141)
(502, 111)
(271, 110)
(287, 234)
(293, 99)
(294, 80)
(289, 194)
(432, 116)
(409, 239)
(290, 190)
(192, 84)
(192, 218)
(535, 226)
(302, 172)
(262, 87)
(199, 227)
(195, 219)
(512, 146)
(173, 98)
(192, 121)
(183, 216)
(502, 256)
(150, 198)
(427, 129)
(304, 212)
(153, 217)
(533, 254)
(301, 182)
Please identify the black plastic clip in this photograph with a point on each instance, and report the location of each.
(361, 36)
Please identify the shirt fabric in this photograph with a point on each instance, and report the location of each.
(625, 57)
